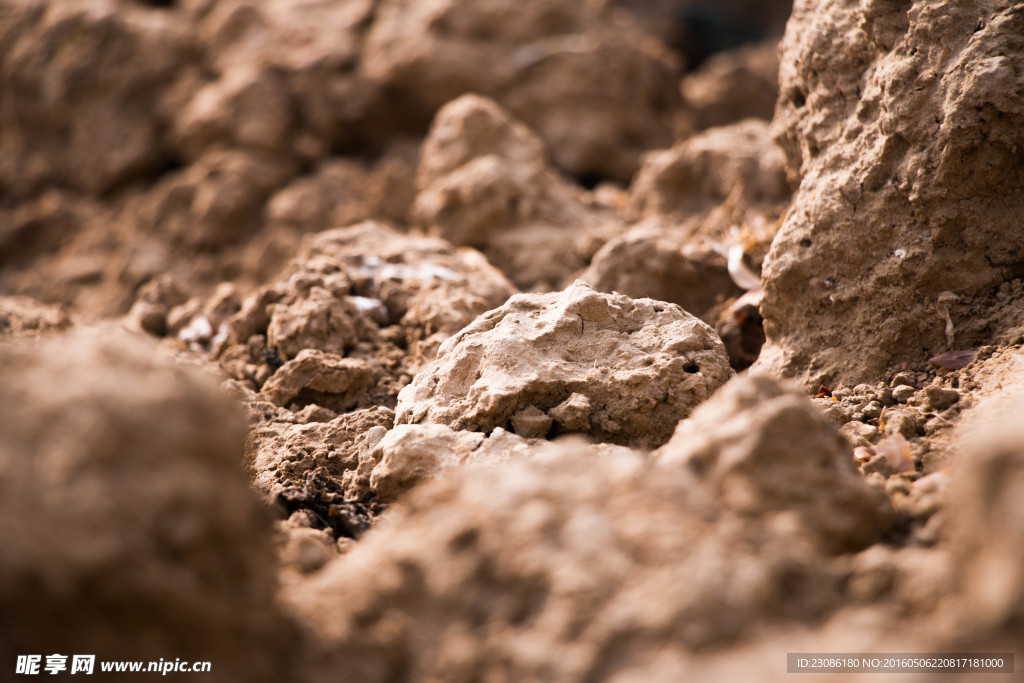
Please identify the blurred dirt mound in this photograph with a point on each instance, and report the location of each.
(732, 86)
(595, 87)
(546, 567)
(986, 516)
(484, 181)
(128, 529)
(904, 125)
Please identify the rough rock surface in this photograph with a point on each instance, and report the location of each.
(125, 520)
(325, 379)
(759, 447)
(641, 364)
(283, 450)
(321, 355)
(484, 181)
(410, 454)
(904, 124)
(595, 88)
(554, 556)
(365, 292)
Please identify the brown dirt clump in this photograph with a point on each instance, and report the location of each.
(902, 124)
(127, 526)
(85, 89)
(484, 181)
(654, 259)
(640, 364)
(760, 447)
(985, 515)
(321, 355)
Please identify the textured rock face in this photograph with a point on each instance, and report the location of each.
(409, 455)
(284, 450)
(641, 364)
(597, 91)
(904, 123)
(322, 354)
(554, 556)
(121, 496)
(484, 181)
(760, 447)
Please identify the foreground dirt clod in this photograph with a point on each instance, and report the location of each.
(128, 529)
(553, 553)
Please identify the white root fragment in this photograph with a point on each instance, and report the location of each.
(738, 271)
(945, 298)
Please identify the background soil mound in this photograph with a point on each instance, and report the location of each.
(582, 75)
(485, 181)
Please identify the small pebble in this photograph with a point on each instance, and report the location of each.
(900, 423)
(862, 454)
(940, 398)
(858, 433)
(904, 379)
(903, 392)
(878, 465)
(872, 410)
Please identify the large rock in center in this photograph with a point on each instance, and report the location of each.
(624, 370)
